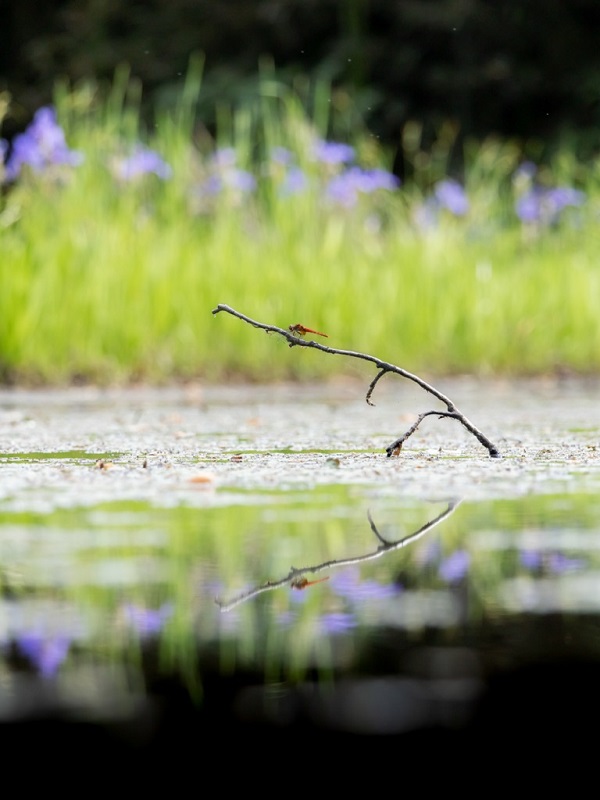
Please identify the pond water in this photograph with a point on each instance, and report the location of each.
(169, 560)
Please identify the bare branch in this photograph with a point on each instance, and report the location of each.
(384, 367)
(373, 384)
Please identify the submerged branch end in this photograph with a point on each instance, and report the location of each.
(396, 446)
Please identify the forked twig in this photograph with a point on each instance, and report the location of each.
(384, 367)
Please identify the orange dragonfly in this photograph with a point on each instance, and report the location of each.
(302, 330)
(302, 583)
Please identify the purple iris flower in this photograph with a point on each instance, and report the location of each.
(370, 180)
(46, 653)
(224, 158)
(529, 206)
(426, 214)
(563, 196)
(281, 155)
(225, 175)
(40, 146)
(447, 194)
(345, 188)
(451, 196)
(147, 621)
(546, 205)
(342, 190)
(333, 152)
(211, 186)
(241, 180)
(236, 179)
(143, 161)
(455, 567)
(294, 182)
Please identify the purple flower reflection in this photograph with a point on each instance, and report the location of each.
(429, 551)
(298, 598)
(41, 145)
(558, 563)
(373, 590)
(455, 567)
(531, 559)
(46, 653)
(147, 621)
(336, 622)
(451, 196)
(347, 583)
(333, 152)
(287, 618)
(142, 161)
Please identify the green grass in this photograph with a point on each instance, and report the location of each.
(115, 281)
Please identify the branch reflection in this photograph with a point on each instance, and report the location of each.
(295, 577)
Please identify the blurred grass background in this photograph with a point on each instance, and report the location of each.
(111, 280)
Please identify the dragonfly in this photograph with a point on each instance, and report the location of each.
(302, 330)
(302, 583)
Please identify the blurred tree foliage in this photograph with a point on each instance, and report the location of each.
(516, 67)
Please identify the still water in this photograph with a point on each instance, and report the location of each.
(341, 608)
(327, 583)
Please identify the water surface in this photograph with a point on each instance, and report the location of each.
(267, 561)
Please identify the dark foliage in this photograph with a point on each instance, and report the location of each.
(527, 68)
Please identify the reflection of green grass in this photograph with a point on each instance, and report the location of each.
(111, 281)
(97, 560)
